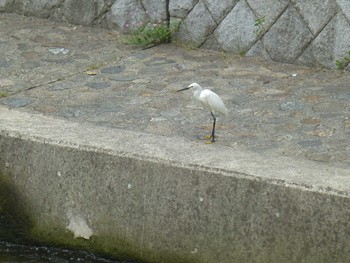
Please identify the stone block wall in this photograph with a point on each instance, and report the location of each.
(307, 32)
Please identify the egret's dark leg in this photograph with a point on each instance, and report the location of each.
(213, 131)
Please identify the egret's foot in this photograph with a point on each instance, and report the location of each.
(211, 140)
(209, 137)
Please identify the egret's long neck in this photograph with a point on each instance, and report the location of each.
(197, 92)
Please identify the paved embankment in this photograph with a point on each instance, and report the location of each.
(97, 141)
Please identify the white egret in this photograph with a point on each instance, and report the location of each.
(211, 101)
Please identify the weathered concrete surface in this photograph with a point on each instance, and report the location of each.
(118, 155)
(172, 199)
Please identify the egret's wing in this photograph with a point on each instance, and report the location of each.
(215, 103)
(203, 98)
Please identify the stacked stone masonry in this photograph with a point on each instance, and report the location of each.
(311, 32)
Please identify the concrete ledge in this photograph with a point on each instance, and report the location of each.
(167, 199)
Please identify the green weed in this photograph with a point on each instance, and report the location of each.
(259, 25)
(341, 64)
(3, 94)
(151, 34)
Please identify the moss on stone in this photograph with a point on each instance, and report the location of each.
(108, 246)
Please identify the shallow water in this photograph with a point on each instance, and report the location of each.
(16, 253)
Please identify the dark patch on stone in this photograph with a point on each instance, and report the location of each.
(98, 85)
(159, 61)
(308, 144)
(18, 102)
(291, 105)
(113, 70)
(4, 63)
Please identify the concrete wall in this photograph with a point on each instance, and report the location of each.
(313, 33)
(162, 200)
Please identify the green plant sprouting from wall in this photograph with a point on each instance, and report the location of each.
(152, 34)
(258, 25)
(341, 64)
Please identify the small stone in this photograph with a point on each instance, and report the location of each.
(59, 50)
(158, 119)
(30, 54)
(296, 114)
(288, 127)
(6, 82)
(317, 156)
(140, 55)
(141, 81)
(343, 96)
(291, 105)
(62, 85)
(31, 64)
(313, 98)
(329, 107)
(113, 70)
(320, 133)
(98, 85)
(309, 144)
(62, 61)
(122, 78)
(4, 63)
(40, 39)
(24, 46)
(263, 113)
(18, 102)
(159, 62)
(310, 121)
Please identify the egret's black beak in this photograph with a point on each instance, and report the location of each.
(183, 89)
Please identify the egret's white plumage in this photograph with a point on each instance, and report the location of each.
(210, 100)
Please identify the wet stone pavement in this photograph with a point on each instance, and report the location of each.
(89, 75)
